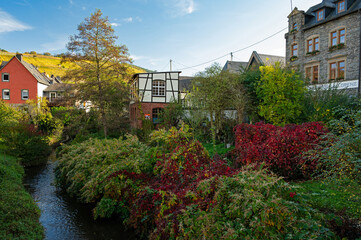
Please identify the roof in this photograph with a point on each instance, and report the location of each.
(3, 64)
(35, 72)
(331, 13)
(264, 59)
(323, 4)
(235, 67)
(32, 69)
(185, 83)
(58, 87)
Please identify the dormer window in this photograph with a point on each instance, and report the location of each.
(341, 6)
(320, 15)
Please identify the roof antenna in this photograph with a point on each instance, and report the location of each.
(231, 56)
(170, 64)
(291, 6)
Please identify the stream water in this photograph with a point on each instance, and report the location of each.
(63, 217)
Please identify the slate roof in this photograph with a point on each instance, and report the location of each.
(331, 13)
(235, 67)
(32, 69)
(3, 64)
(58, 87)
(35, 72)
(264, 59)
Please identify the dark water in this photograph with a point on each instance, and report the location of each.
(64, 218)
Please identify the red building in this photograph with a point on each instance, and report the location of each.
(21, 81)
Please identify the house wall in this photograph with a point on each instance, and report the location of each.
(20, 78)
(146, 108)
(350, 53)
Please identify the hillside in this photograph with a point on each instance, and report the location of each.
(52, 65)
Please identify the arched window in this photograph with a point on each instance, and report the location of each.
(156, 114)
(158, 89)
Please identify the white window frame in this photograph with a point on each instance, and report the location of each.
(5, 74)
(22, 94)
(158, 89)
(3, 95)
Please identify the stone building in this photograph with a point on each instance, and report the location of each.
(324, 43)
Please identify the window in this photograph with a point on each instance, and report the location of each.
(294, 50)
(337, 70)
(158, 88)
(313, 44)
(5, 77)
(333, 71)
(52, 96)
(341, 36)
(294, 27)
(312, 74)
(156, 114)
(6, 94)
(320, 15)
(338, 37)
(316, 42)
(25, 94)
(341, 6)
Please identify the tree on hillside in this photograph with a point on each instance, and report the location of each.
(281, 92)
(101, 76)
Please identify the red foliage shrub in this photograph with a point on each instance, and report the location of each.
(280, 148)
(172, 188)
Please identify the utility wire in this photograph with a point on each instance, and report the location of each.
(187, 66)
(239, 50)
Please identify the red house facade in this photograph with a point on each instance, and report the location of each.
(21, 81)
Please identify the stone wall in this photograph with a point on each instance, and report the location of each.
(350, 53)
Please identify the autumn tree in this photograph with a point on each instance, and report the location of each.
(281, 92)
(101, 73)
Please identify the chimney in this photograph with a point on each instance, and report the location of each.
(19, 56)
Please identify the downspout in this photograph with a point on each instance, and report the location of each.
(359, 60)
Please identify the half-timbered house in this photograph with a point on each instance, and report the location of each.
(150, 94)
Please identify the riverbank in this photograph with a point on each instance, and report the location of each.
(19, 215)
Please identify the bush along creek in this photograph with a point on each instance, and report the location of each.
(170, 188)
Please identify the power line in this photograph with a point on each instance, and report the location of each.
(242, 49)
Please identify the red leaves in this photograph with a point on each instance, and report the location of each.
(280, 148)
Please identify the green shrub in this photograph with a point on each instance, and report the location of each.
(250, 205)
(19, 215)
(85, 169)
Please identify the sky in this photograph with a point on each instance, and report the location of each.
(188, 32)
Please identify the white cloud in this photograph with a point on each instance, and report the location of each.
(71, 2)
(83, 8)
(180, 7)
(129, 19)
(9, 24)
(115, 24)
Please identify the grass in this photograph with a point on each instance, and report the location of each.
(333, 196)
(52, 65)
(19, 215)
(220, 149)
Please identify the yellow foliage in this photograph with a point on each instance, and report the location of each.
(52, 65)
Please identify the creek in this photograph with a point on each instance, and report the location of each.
(62, 216)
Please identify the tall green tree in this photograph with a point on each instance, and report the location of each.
(216, 91)
(281, 92)
(101, 74)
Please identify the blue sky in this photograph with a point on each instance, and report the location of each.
(189, 32)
